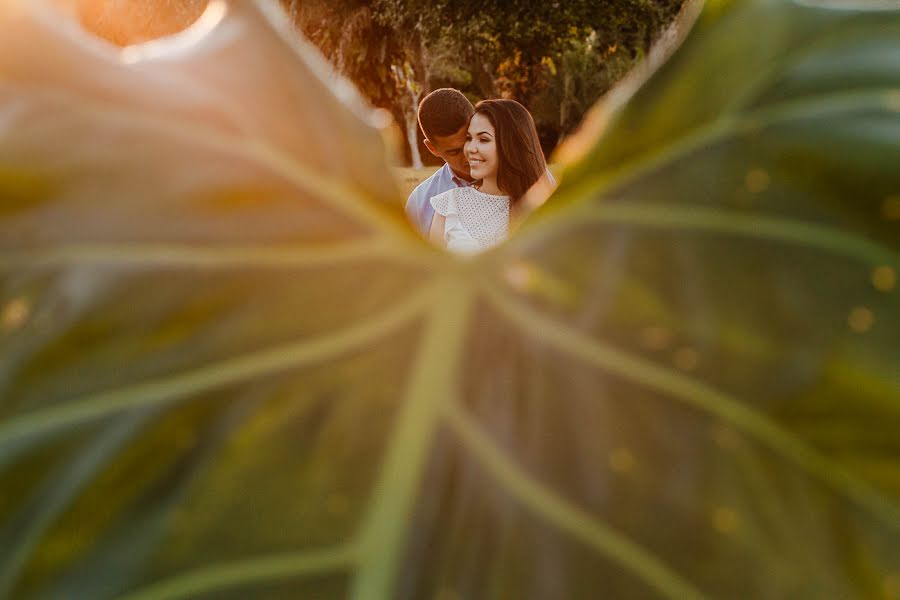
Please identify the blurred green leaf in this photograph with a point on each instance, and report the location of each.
(230, 368)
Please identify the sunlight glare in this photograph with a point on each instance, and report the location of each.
(181, 42)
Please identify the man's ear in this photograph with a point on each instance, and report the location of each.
(431, 148)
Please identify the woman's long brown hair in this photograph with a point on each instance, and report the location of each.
(521, 160)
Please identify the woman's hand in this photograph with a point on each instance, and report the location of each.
(436, 235)
(536, 195)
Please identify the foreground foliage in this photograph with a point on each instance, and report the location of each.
(231, 370)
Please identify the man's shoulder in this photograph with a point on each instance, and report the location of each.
(434, 184)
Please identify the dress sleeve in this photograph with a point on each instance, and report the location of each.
(444, 203)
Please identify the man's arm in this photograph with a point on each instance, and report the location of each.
(419, 210)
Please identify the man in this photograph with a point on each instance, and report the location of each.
(444, 118)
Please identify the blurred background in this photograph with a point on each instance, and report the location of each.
(557, 58)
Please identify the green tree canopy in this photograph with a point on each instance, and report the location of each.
(556, 57)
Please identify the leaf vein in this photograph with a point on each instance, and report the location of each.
(574, 521)
(243, 572)
(214, 256)
(699, 395)
(714, 220)
(229, 371)
(705, 136)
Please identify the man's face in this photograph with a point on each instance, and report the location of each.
(450, 148)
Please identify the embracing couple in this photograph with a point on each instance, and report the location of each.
(494, 169)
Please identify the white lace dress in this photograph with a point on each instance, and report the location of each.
(475, 221)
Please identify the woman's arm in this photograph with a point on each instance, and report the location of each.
(437, 229)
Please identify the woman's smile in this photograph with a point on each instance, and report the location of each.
(476, 166)
(481, 149)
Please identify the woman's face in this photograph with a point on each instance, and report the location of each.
(481, 148)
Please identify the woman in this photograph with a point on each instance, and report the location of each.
(506, 161)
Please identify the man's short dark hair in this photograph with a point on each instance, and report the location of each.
(443, 112)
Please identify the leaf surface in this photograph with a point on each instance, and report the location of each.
(230, 368)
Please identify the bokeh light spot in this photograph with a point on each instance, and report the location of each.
(757, 181)
(381, 118)
(621, 460)
(521, 276)
(890, 208)
(893, 101)
(655, 338)
(725, 520)
(861, 319)
(15, 314)
(884, 278)
(686, 359)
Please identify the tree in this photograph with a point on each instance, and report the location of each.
(557, 58)
(389, 65)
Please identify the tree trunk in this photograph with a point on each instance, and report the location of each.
(412, 137)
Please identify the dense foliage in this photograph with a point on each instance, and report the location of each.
(557, 58)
